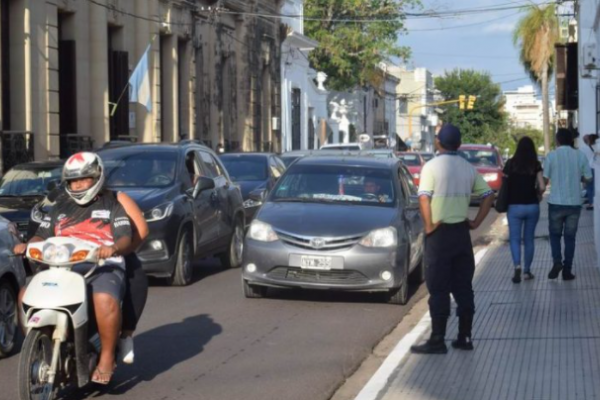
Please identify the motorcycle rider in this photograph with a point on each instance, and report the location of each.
(94, 214)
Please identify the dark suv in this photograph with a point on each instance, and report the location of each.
(192, 207)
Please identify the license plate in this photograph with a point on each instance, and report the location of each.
(315, 262)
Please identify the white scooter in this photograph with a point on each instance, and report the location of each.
(62, 345)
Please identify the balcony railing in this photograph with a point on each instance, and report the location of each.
(17, 148)
(72, 143)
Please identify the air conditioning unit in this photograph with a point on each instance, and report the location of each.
(276, 123)
(590, 57)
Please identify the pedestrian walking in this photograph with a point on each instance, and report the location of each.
(587, 148)
(448, 183)
(566, 168)
(525, 187)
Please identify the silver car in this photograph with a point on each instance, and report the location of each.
(12, 279)
(341, 223)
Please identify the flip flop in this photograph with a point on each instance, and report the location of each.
(102, 378)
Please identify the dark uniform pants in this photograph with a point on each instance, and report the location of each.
(450, 269)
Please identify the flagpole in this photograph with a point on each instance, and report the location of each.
(115, 105)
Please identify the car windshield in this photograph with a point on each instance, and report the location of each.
(148, 169)
(479, 157)
(427, 156)
(335, 184)
(29, 181)
(411, 160)
(246, 168)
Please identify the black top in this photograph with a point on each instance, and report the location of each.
(522, 185)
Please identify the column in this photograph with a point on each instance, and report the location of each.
(145, 128)
(185, 88)
(170, 88)
(99, 113)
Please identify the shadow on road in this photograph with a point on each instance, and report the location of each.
(203, 268)
(157, 351)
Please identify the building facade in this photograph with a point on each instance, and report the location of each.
(214, 75)
(524, 108)
(303, 94)
(588, 21)
(415, 90)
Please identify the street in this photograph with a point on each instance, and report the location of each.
(206, 341)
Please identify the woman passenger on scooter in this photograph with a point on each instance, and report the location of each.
(94, 214)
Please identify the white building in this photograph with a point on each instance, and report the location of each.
(524, 107)
(303, 103)
(414, 91)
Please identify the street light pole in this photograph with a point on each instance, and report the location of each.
(415, 108)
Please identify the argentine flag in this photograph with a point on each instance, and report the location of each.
(139, 83)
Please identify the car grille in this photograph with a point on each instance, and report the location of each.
(316, 243)
(313, 276)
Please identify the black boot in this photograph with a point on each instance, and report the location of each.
(435, 344)
(464, 342)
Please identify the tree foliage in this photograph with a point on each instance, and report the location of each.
(486, 120)
(349, 51)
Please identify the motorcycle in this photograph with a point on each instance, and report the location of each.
(62, 344)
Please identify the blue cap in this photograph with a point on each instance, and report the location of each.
(449, 137)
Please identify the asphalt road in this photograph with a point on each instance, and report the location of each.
(206, 341)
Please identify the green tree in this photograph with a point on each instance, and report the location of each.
(536, 34)
(486, 120)
(349, 51)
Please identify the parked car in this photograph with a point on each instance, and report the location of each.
(192, 207)
(487, 160)
(414, 162)
(303, 235)
(12, 279)
(25, 185)
(253, 171)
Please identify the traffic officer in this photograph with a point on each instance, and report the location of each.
(448, 183)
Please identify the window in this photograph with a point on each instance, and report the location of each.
(144, 170)
(212, 167)
(275, 169)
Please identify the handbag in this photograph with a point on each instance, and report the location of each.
(501, 205)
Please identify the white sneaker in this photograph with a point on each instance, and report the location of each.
(126, 350)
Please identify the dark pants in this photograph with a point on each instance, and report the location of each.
(450, 268)
(563, 221)
(136, 293)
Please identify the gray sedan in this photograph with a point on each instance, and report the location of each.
(12, 278)
(340, 223)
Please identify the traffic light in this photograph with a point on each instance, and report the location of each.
(471, 102)
(461, 101)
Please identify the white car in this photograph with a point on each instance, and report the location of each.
(12, 279)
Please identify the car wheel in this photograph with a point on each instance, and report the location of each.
(418, 275)
(399, 295)
(253, 291)
(182, 275)
(8, 318)
(233, 257)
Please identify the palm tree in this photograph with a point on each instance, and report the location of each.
(536, 34)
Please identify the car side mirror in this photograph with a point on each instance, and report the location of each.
(202, 183)
(258, 195)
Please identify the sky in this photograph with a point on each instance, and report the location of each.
(442, 44)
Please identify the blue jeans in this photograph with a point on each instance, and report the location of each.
(563, 221)
(522, 220)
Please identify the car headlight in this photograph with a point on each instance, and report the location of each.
(36, 214)
(252, 203)
(262, 232)
(385, 237)
(158, 213)
(490, 177)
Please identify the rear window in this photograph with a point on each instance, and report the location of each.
(246, 168)
(412, 160)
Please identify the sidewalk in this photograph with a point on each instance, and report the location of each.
(538, 340)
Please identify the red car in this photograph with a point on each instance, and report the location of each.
(488, 161)
(414, 162)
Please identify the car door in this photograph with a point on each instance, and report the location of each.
(412, 215)
(204, 209)
(220, 197)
